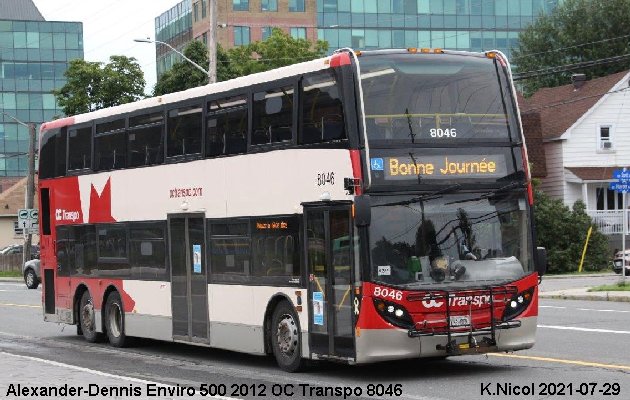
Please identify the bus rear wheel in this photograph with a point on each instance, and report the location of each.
(87, 318)
(115, 321)
(286, 340)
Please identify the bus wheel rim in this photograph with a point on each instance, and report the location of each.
(115, 320)
(287, 335)
(88, 316)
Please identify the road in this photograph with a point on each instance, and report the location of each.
(552, 284)
(578, 343)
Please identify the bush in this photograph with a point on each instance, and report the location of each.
(563, 232)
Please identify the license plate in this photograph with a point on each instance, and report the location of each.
(460, 320)
(617, 263)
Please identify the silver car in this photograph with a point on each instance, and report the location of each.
(30, 271)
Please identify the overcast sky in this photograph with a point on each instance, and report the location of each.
(109, 27)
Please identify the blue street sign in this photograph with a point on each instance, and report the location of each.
(621, 175)
(622, 187)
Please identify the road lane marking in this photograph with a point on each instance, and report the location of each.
(592, 309)
(563, 361)
(575, 328)
(19, 305)
(560, 308)
(100, 373)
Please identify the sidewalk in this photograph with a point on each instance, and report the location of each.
(12, 279)
(584, 294)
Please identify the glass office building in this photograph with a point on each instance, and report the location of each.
(175, 28)
(474, 25)
(34, 56)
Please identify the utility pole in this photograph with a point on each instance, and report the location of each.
(212, 42)
(30, 186)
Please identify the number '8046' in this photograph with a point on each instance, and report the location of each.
(388, 293)
(440, 133)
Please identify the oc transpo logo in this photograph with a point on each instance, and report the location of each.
(63, 215)
(476, 301)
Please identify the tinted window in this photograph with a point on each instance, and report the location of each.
(226, 128)
(147, 250)
(273, 116)
(230, 250)
(76, 250)
(322, 110)
(110, 146)
(275, 247)
(184, 131)
(52, 157)
(112, 241)
(146, 140)
(80, 148)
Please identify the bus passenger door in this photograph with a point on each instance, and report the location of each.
(189, 287)
(329, 256)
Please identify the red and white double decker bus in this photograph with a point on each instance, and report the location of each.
(358, 208)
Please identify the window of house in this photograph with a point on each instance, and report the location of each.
(203, 9)
(272, 116)
(79, 148)
(296, 5)
(268, 5)
(196, 12)
(240, 5)
(184, 131)
(241, 35)
(298, 33)
(266, 32)
(605, 141)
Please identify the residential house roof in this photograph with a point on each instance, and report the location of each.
(12, 199)
(562, 106)
(21, 10)
(593, 173)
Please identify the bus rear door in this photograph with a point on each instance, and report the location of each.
(329, 256)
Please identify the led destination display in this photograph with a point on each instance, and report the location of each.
(439, 167)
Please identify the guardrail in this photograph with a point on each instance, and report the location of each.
(609, 222)
(10, 262)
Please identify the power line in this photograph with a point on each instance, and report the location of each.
(563, 103)
(569, 67)
(575, 46)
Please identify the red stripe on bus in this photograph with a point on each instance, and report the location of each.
(355, 159)
(57, 123)
(340, 59)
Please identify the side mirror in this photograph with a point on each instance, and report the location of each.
(541, 260)
(362, 211)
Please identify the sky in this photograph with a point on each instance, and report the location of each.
(110, 26)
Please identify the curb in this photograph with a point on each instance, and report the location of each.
(619, 299)
(11, 279)
(578, 276)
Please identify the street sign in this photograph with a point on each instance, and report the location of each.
(622, 176)
(620, 187)
(27, 220)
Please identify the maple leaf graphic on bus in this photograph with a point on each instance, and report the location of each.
(101, 205)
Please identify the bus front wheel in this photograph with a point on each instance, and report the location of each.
(115, 321)
(87, 318)
(286, 341)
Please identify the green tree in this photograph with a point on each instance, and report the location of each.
(91, 85)
(556, 39)
(563, 232)
(278, 50)
(183, 75)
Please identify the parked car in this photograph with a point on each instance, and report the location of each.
(30, 271)
(19, 249)
(619, 260)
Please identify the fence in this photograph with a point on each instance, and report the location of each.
(609, 222)
(10, 262)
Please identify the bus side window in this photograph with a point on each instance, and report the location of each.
(146, 139)
(184, 131)
(272, 116)
(226, 126)
(52, 158)
(80, 148)
(322, 111)
(110, 145)
(230, 245)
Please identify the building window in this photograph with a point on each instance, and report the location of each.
(241, 35)
(298, 33)
(268, 5)
(605, 142)
(204, 11)
(296, 5)
(196, 12)
(240, 5)
(266, 32)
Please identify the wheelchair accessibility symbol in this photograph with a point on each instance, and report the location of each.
(377, 164)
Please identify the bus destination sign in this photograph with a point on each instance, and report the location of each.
(439, 167)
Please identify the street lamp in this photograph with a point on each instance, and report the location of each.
(30, 184)
(176, 51)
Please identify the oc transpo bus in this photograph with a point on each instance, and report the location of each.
(362, 207)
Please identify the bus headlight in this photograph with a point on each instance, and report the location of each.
(517, 304)
(393, 313)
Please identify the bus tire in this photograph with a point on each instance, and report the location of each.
(286, 340)
(87, 318)
(115, 321)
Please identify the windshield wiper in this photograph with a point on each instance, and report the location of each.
(491, 193)
(424, 197)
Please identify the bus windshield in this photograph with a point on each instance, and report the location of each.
(436, 98)
(450, 240)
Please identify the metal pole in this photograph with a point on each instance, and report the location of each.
(212, 42)
(624, 229)
(30, 186)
